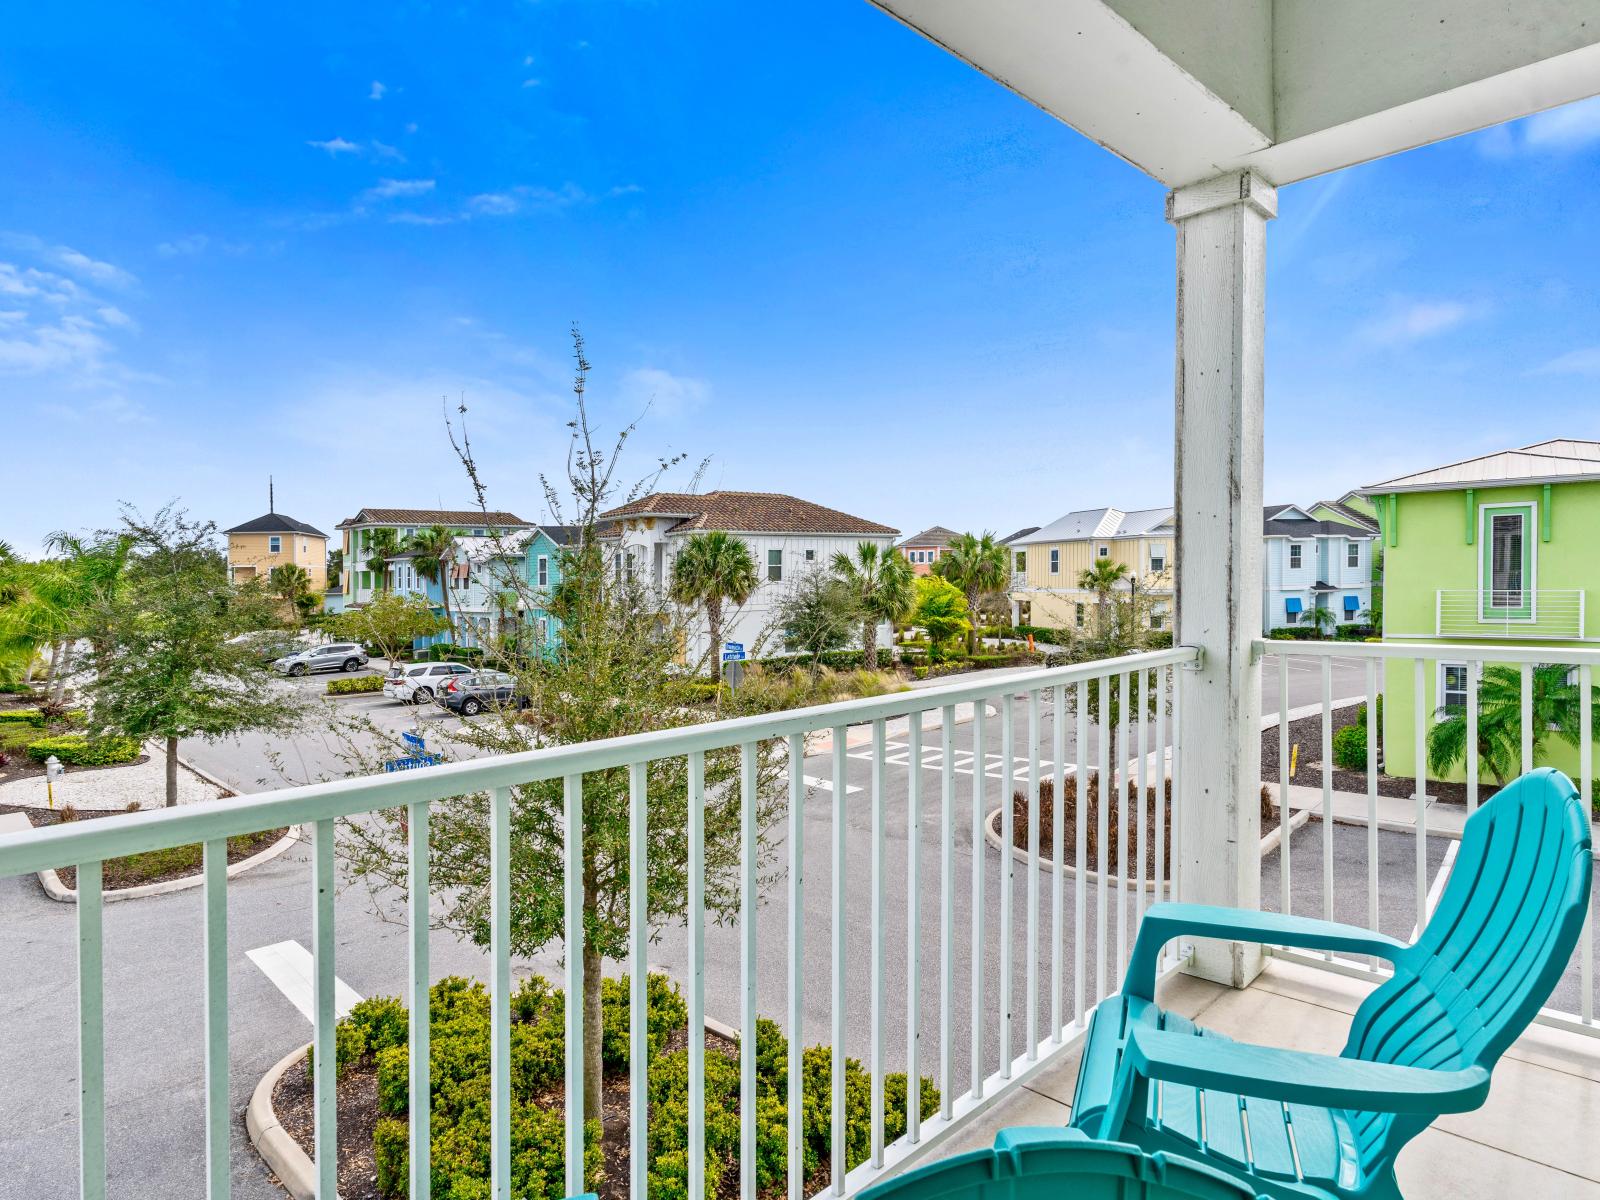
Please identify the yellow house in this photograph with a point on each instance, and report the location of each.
(257, 546)
(1049, 562)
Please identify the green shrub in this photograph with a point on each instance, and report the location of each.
(1295, 633)
(394, 1081)
(698, 691)
(1350, 746)
(75, 749)
(14, 689)
(438, 652)
(838, 660)
(351, 685)
(391, 1147)
(383, 1023)
(22, 716)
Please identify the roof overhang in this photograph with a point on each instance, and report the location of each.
(1387, 489)
(1288, 89)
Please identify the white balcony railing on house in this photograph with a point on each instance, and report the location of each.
(1553, 614)
(1019, 580)
(1033, 1008)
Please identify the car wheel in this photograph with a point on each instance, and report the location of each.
(298, 669)
(350, 664)
(470, 707)
(422, 695)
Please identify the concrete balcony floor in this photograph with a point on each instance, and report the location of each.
(1533, 1138)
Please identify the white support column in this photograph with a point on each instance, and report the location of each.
(1221, 225)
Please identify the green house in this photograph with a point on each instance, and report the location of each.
(1502, 549)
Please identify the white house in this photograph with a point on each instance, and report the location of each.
(1310, 564)
(787, 537)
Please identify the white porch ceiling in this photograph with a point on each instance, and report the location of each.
(1287, 88)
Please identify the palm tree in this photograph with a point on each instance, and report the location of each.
(382, 545)
(434, 547)
(711, 568)
(1321, 618)
(978, 565)
(884, 587)
(1556, 709)
(1101, 579)
(289, 583)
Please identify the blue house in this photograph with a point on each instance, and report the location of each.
(1312, 564)
(542, 567)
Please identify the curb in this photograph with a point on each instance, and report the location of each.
(281, 1153)
(1269, 843)
(56, 890)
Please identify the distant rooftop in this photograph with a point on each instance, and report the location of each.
(1097, 523)
(934, 535)
(470, 517)
(1560, 460)
(1291, 520)
(746, 512)
(274, 522)
(1019, 534)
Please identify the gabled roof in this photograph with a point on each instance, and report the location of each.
(470, 517)
(1019, 534)
(561, 535)
(1097, 523)
(1351, 516)
(934, 535)
(276, 523)
(746, 512)
(1306, 527)
(1560, 460)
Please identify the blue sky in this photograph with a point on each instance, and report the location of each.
(237, 241)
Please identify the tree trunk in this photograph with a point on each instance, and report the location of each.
(714, 623)
(869, 644)
(172, 772)
(593, 1064)
(972, 616)
(63, 667)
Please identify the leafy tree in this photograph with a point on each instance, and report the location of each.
(1556, 710)
(1321, 617)
(817, 615)
(610, 675)
(942, 610)
(389, 624)
(714, 568)
(1102, 579)
(979, 566)
(290, 583)
(382, 545)
(335, 566)
(434, 547)
(164, 662)
(883, 585)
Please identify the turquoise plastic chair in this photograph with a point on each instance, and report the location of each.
(1060, 1164)
(1313, 1125)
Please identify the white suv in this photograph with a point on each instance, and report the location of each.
(421, 682)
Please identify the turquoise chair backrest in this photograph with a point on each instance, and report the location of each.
(1493, 951)
(1051, 1163)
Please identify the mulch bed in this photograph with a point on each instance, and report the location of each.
(155, 866)
(292, 1101)
(1115, 823)
(1307, 733)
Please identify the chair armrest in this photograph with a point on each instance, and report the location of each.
(1165, 921)
(1291, 1075)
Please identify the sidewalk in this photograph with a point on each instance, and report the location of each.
(1394, 813)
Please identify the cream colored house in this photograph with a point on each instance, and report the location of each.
(272, 540)
(1051, 560)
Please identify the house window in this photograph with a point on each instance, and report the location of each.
(1103, 552)
(1055, 562)
(479, 533)
(1352, 554)
(544, 570)
(1022, 560)
(1453, 685)
(1157, 618)
(544, 629)
(1506, 563)
(1077, 615)
(811, 556)
(274, 544)
(774, 565)
(1295, 553)
(1158, 557)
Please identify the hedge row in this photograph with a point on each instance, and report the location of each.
(838, 660)
(354, 684)
(22, 716)
(375, 1032)
(1310, 633)
(74, 749)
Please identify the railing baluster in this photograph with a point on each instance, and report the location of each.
(1586, 790)
(697, 974)
(1008, 834)
(1420, 749)
(1031, 989)
(1327, 792)
(947, 911)
(1285, 893)
(572, 805)
(1104, 793)
(500, 1001)
(214, 866)
(1058, 774)
(749, 899)
(91, 1036)
(979, 852)
(420, 1103)
(875, 985)
(837, 1059)
(1141, 714)
(914, 930)
(1080, 855)
(1161, 785)
(325, 1114)
(797, 927)
(1120, 773)
(1179, 813)
(1472, 738)
(1527, 717)
(639, 979)
(1372, 799)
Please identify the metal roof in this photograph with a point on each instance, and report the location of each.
(1556, 461)
(1097, 523)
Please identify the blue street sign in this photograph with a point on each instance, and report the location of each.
(413, 740)
(732, 651)
(412, 762)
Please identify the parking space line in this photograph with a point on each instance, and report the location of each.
(289, 966)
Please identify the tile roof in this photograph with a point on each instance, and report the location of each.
(935, 535)
(435, 516)
(1554, 461)
(746, 512)
(276, 523)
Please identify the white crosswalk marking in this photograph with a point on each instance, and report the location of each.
(825, 785)
(288, 965)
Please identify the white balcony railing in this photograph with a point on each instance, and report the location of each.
(1531, 615)
(1019, 580)
(1051, 969)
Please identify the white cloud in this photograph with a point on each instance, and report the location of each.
(377, 91)
(336, 146)
(411, 218)
(387, 189)
(74, 262)
(54, 326)
(1583, 361)
(667, 394)
(384, 150)
(193, 243)
(493, 204)
(1405, 322)
(114, 316)
(1564, 130)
